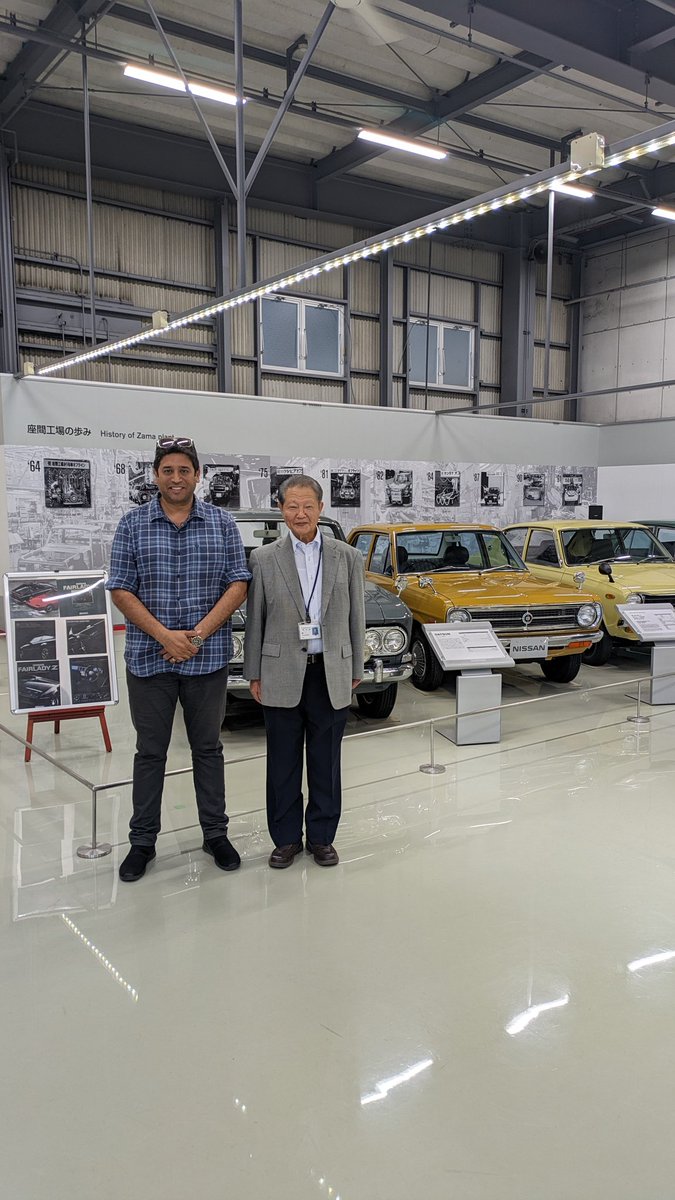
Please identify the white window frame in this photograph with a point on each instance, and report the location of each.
(438, 382)
(302, 303)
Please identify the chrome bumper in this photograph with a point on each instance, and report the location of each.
(375, 672)
(558, 641)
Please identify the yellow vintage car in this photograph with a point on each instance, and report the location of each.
(619, 562)
(455, 572)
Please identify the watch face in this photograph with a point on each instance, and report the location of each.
(197, 640)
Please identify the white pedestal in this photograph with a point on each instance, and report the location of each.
(477, 690)
(662, 691)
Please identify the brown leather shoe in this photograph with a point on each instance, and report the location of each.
(324, 856)
(282, 856)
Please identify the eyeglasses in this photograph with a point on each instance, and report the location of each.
(167, 443)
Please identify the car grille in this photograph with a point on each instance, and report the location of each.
(659, 599)
(510, 620)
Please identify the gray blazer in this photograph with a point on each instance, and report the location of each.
(273, 651)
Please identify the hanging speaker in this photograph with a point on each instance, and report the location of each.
(595, 512)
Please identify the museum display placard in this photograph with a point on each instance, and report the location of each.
(473, 645)
(59, 640)
(651, 622)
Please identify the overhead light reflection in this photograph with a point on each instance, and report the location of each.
(523, 1019)
(383, 1088)
(651, 960)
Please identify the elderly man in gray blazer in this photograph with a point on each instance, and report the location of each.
(305, 638)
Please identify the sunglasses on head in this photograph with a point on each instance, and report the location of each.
(167, 443)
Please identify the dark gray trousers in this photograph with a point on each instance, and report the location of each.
(152, 701)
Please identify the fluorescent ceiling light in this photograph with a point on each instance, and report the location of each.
(167, 80)
(668, 214)
(570, 189)
(397, 143)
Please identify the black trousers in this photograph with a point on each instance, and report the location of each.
(152, 701)
(319, 726)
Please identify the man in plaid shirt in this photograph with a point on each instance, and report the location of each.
(178, 572)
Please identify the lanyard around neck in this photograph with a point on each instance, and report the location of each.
(316, 580)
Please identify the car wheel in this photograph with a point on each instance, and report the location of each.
(378, 705)
(427, 673)
(600, 652)
(563, 669)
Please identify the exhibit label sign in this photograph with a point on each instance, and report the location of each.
(651, 622)
(465, 647)
(59, 640)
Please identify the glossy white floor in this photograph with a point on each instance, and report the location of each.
(477, 1003)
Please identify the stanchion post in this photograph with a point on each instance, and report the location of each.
(637, 718)
(96, 850)
(432, 767)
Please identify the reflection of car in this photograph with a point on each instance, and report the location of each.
(388, 623)
(618, 563)
(71, 548)
(43, 646)
(454, 572)
(399, 489)
(221, 486)
(35, 595)
(42, 691)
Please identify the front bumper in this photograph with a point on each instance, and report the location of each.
(376, 676)
(557, 642)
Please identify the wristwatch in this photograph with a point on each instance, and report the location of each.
(197, 640)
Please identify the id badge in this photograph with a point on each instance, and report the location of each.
(308, 632)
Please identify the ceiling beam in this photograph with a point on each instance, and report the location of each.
(583, 35)
(479, 90)
(65, 21)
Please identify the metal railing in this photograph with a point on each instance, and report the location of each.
(97, 849)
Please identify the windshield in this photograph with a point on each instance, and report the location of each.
(595, 544)
(445, 550)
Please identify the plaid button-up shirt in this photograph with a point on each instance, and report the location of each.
(178, 574)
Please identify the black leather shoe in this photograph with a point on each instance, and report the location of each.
(282, 856)
(222, 852)
(136, 861)
(324, 856)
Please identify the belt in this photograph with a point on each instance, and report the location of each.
(314, 658)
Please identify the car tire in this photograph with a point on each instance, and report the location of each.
(600, 652)
(563, 669)
(378, 705)
(427, 673)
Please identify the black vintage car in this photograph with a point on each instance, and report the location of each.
(388, 623)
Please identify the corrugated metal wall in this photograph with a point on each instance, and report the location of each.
(157, 250)
(561, 338)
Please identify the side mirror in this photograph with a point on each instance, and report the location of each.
(400, 583)
(605, 568)
(579, 578)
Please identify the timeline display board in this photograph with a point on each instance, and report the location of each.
(59, 640)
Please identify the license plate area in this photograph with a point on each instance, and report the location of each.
(529, 647)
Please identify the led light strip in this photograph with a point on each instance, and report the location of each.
(447, 218)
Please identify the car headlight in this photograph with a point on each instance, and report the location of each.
(374, 641)
(237, 647)
(394, 641)
(634, 598)
(588, 615)
(458, 614)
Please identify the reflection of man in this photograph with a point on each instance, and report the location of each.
(178, 571)
(305, 636)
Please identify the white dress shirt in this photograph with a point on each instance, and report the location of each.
(307, 559)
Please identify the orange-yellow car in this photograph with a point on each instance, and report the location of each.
(455, 572)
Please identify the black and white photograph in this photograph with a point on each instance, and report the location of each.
(222, 484)
(89, 680)
(142, 484)
(67, 483)
(345, 489)
(35, 641)
(398, 488)
(572, 487)
(86, 637)
(34, 598)
(82, 597)
(38, 685)
(447, 490)
(277, 476)
(534, 488)
(491, 489)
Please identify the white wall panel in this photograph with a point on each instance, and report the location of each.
(399, 292)
(365, 340)
(365, 286)
(243, 378)
(491, 309)
(490, 360)
(295, 387)
(451, 299)
(364, 389)
(275, 257)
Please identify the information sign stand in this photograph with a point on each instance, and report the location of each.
(473, 649)
(655, 623)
